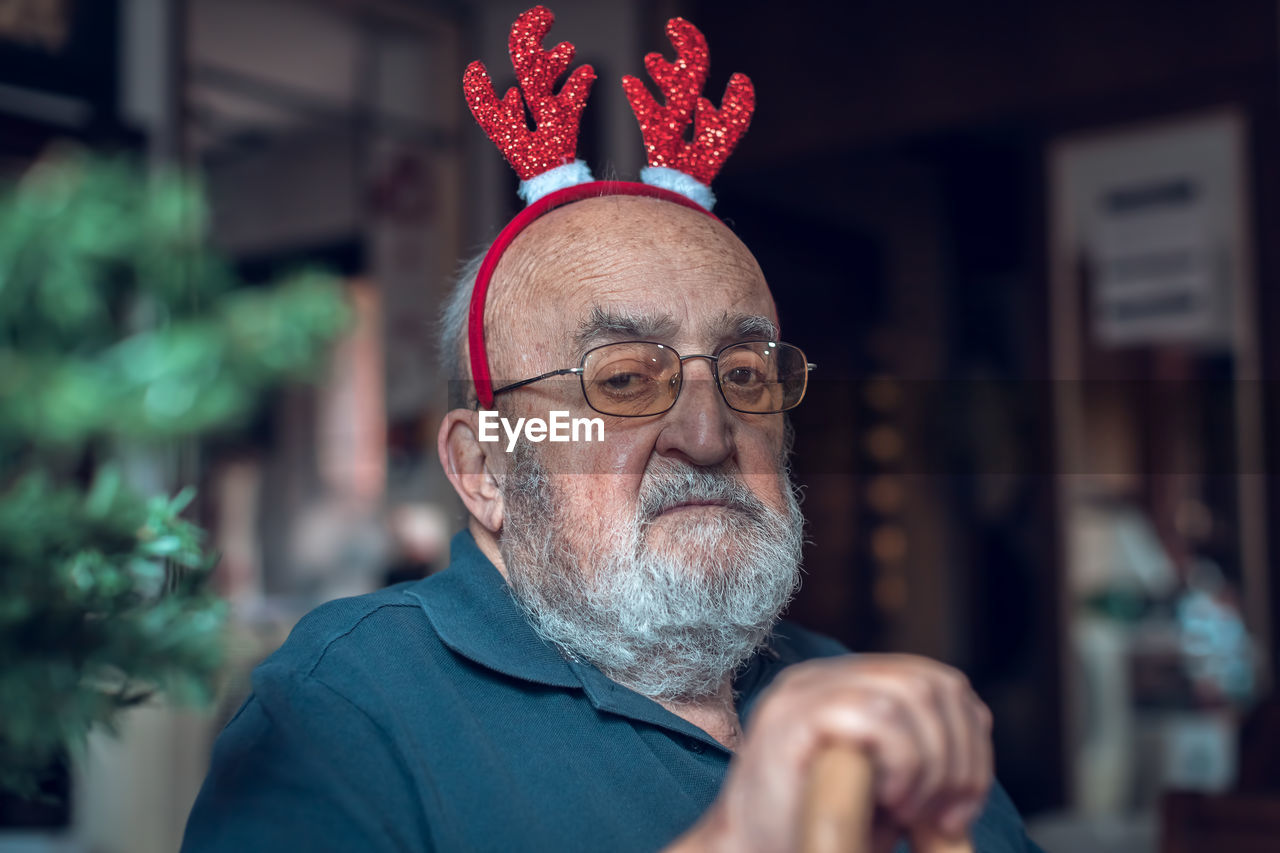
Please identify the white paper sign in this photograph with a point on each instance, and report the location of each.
(1155, 270)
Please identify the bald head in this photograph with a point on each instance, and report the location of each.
(610, 257)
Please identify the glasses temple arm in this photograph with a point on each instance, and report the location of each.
(514, 385)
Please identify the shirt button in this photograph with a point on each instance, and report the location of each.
(697, 746)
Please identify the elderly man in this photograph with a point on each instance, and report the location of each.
(599, 668)
(602, 666)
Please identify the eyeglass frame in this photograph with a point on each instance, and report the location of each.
(714, 358)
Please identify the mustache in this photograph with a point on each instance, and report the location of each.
(668, 484)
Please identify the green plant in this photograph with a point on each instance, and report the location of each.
(117, 326)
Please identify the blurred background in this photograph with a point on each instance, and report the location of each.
(1031, 245)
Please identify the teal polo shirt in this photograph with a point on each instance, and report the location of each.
(430, 716)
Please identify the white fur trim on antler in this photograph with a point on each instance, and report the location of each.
(677, 181)
(566, 175)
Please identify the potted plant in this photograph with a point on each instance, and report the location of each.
(118, 328)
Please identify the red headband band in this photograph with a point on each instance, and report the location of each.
(475, 318)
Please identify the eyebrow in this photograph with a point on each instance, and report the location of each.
(604, 323)
(749, 326)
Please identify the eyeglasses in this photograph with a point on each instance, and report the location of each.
(636, 379)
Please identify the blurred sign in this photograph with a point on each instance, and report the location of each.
(1156, 213)
(1154, 273)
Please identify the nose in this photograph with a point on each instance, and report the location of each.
(698, 429)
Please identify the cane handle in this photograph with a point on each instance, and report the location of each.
(840, 804)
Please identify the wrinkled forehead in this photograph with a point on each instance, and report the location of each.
(646, 266)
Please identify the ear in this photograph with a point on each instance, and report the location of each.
(466, 463)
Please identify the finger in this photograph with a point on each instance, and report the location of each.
(786, 736)
(909, 787)
(790, 728)
(871, 718)
(913, 766)
(962, 813)
(900, 749)
(931, 746)
(955, 702)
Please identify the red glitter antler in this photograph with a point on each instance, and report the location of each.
(555, 140)
(715, 131)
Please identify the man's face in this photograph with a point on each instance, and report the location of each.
(664, 553)
(624, 268)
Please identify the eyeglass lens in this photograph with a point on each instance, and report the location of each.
(634, 379)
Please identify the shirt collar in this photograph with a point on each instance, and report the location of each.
(471, 608)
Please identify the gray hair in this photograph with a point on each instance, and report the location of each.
(453, 333)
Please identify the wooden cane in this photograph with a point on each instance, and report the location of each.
(839, 807)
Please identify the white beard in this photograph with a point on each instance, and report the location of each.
(671, 623)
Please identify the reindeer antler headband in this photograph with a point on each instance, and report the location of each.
(679, 171)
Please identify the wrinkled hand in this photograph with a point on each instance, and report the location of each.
(927, 733)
